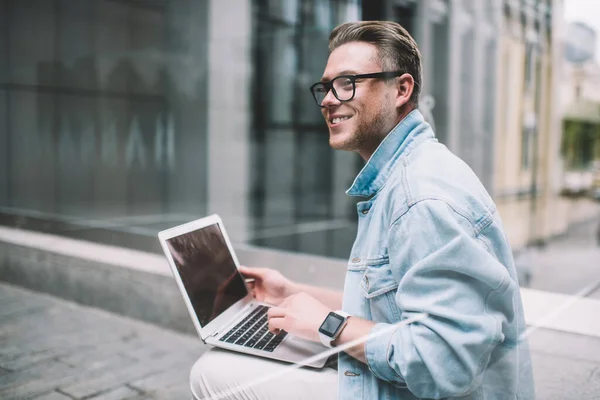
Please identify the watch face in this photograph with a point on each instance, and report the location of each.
(331, 324)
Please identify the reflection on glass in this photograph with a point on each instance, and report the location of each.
(207, 271)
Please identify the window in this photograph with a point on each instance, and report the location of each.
(292, 164)
(526, 148)
(102, 107)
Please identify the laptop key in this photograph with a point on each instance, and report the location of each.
(232, 339)
(275, 342)
(247, 318)
(261, 344)
(227, 336)
(243, 339)
(264, 341)
(238, 330)
(249, 332)
(251, 342)
(270, 347)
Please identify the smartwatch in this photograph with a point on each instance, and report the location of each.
(332, 326)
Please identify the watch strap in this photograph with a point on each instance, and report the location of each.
(342, 313)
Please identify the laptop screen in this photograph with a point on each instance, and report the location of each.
(208, 272)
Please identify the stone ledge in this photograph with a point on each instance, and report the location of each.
(140, 284)
(136, 293)
(133, 283)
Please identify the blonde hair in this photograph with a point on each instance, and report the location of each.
(396, 49)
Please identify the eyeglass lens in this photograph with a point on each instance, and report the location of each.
(343, 89)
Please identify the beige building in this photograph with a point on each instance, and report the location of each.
(527, 134)
(529, 169)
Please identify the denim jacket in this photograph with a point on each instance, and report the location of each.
(431, 241)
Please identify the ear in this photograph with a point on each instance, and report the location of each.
(405, 85)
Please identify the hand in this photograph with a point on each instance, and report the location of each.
(300, 314)
(269, 286)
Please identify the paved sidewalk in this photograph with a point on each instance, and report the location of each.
(571, 263)
(52, 349)
(55, 350)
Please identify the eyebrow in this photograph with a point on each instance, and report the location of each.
(344, 72)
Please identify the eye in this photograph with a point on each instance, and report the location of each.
(346, 83)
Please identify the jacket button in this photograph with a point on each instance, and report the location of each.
(365, 212)
(355, 260)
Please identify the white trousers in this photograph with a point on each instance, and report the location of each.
(221, 374)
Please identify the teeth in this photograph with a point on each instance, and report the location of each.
(339, 119)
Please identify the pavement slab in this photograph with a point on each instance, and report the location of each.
(54, 349)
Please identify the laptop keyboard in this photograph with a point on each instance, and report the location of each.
(253, 332)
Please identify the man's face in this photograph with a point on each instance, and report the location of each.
(361, 123)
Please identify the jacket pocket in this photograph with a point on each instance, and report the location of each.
(377, 278)
(378, 286)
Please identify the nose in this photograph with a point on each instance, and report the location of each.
(330, 99)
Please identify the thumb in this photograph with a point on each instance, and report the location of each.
(251, 272)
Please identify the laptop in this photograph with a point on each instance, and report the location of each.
(218, 299)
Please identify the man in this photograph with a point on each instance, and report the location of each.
(429, 241)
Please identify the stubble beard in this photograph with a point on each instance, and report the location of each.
(367, 134)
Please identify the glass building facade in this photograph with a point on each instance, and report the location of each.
(119, 118)
(123, 117)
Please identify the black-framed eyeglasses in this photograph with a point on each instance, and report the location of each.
(344, 86)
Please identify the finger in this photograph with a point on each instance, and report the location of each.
(276, 325)
(259, 295)
(251, 273)
(276, 312)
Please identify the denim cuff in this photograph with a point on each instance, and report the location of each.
(376, 352)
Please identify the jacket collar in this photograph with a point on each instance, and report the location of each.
(398, 142)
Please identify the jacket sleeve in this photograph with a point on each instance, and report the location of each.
(446, 271)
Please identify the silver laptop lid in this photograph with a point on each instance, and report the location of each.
(206, 270)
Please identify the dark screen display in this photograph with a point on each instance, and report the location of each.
(331, 324)
(207, 271)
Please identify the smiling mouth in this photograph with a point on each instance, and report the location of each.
(337, 120)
